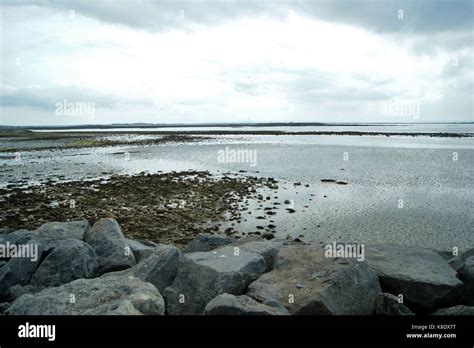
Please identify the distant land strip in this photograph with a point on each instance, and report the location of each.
(270, 132)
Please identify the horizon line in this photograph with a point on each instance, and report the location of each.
(220, 124)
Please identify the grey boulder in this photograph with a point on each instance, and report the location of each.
(388, 304)
(204, 275)
(18, 270)
(466, 274)
(64, 230)
(158, 268)
(307, 282)
(18, 237)
(267, 250)
(458, 261)
(100, 296)
(207, 242)
(421, 275)
(140, 250)
(455, 310)
(228, 304)
(112, 250)
(16, 291)
(72, 259)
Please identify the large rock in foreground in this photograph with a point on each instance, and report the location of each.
(268, 250)
(64, 230)
(50, 234)
(456, 310)
(72, 259)
(159, 268)
(112, 250)
(140, 250)
(421, 275)
(388, 304)
(204, 275)
(100, 296)
(458, 261)
(227, 304)
(306, 282)
(466, 274)
(19, 270)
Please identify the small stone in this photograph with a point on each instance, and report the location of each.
(268, 236)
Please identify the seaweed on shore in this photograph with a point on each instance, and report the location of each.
(166, 208)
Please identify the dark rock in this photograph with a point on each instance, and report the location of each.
(99, 296)
(159, 268)
(17, 290)
(458, 261)
(111, 247)
(387, 304)
(455, 310)
(445, 254)
(466, 274)
(18, 270)
(4, 306)
(63, 230)
(204, 275)
(330, 285)
(268, 251)
(227, 304)
(140, 250)
(72, 259)
(421, 275)
(18, 237)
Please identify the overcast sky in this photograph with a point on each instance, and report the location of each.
(236, 61)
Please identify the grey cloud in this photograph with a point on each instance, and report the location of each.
(159, 15)
(382, 16)
(379, 16)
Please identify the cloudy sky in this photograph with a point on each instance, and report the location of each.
(236, 61)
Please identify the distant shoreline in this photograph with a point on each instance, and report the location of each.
(234, 125)
(269, 132)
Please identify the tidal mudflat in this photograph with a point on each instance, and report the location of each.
(401, 189)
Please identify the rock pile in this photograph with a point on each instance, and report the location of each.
(78, 269)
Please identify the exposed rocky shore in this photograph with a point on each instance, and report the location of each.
(83, 269)
(163, 208)
(80, 140)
